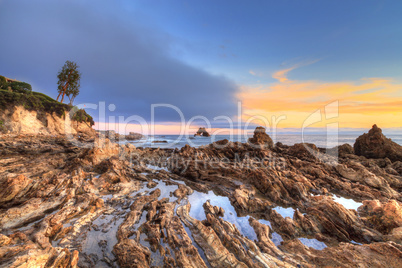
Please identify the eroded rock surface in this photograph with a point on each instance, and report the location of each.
(227, 204)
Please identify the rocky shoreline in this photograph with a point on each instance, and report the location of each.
(222, 205)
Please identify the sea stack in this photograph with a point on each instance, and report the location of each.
(202, 132)
(375, 145)
(261, 138)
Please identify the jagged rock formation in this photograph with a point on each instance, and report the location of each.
(375, 145)
(202, 132)
(260, 138)
(220, 205)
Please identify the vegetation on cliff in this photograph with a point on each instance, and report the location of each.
(20, 94)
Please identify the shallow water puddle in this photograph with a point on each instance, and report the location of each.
(199, 249)
(276, 238)
(197, 199)
(156, 257)
(312, 243)
(347, 203)
(157, 168)
(101, 239)
(166, 190)
(285, 212)
(107, 226)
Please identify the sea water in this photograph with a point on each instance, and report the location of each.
(320, 140)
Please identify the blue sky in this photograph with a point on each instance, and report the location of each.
(205, 56)
(353, 39)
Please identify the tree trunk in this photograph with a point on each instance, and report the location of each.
(71, 100)
(65, 86)
(62, 97)
(58, 96)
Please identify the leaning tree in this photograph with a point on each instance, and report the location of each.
(69, 81)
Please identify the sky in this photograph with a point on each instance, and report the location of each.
(288, 64)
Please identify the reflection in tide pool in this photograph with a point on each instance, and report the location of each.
(285, 212)
(157, 168)
(313, 243)
(197, 199)
(166, 190)
(276, 238)
(347, 203)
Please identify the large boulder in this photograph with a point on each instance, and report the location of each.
(261, 138)
(375, 145)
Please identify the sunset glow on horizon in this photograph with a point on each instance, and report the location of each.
(361, 102)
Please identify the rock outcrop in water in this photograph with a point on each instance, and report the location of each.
(114, 136)
(375, 145)
(202, 132)
(132, 136)
(260, 138)
(231, 205)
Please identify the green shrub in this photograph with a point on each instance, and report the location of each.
(82, 116)
(21, 87)
(43, 96)
(3, 82)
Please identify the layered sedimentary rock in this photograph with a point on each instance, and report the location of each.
(227, 204)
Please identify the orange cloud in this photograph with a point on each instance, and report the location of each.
(361, 103)
(281, 75)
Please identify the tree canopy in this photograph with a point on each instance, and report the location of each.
(69, 81)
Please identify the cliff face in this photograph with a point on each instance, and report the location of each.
(21, 121)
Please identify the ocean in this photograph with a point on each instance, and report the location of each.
(322, 141)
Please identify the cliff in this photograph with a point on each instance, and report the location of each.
(29, 112)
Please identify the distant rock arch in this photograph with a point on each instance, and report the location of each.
(202, 132)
